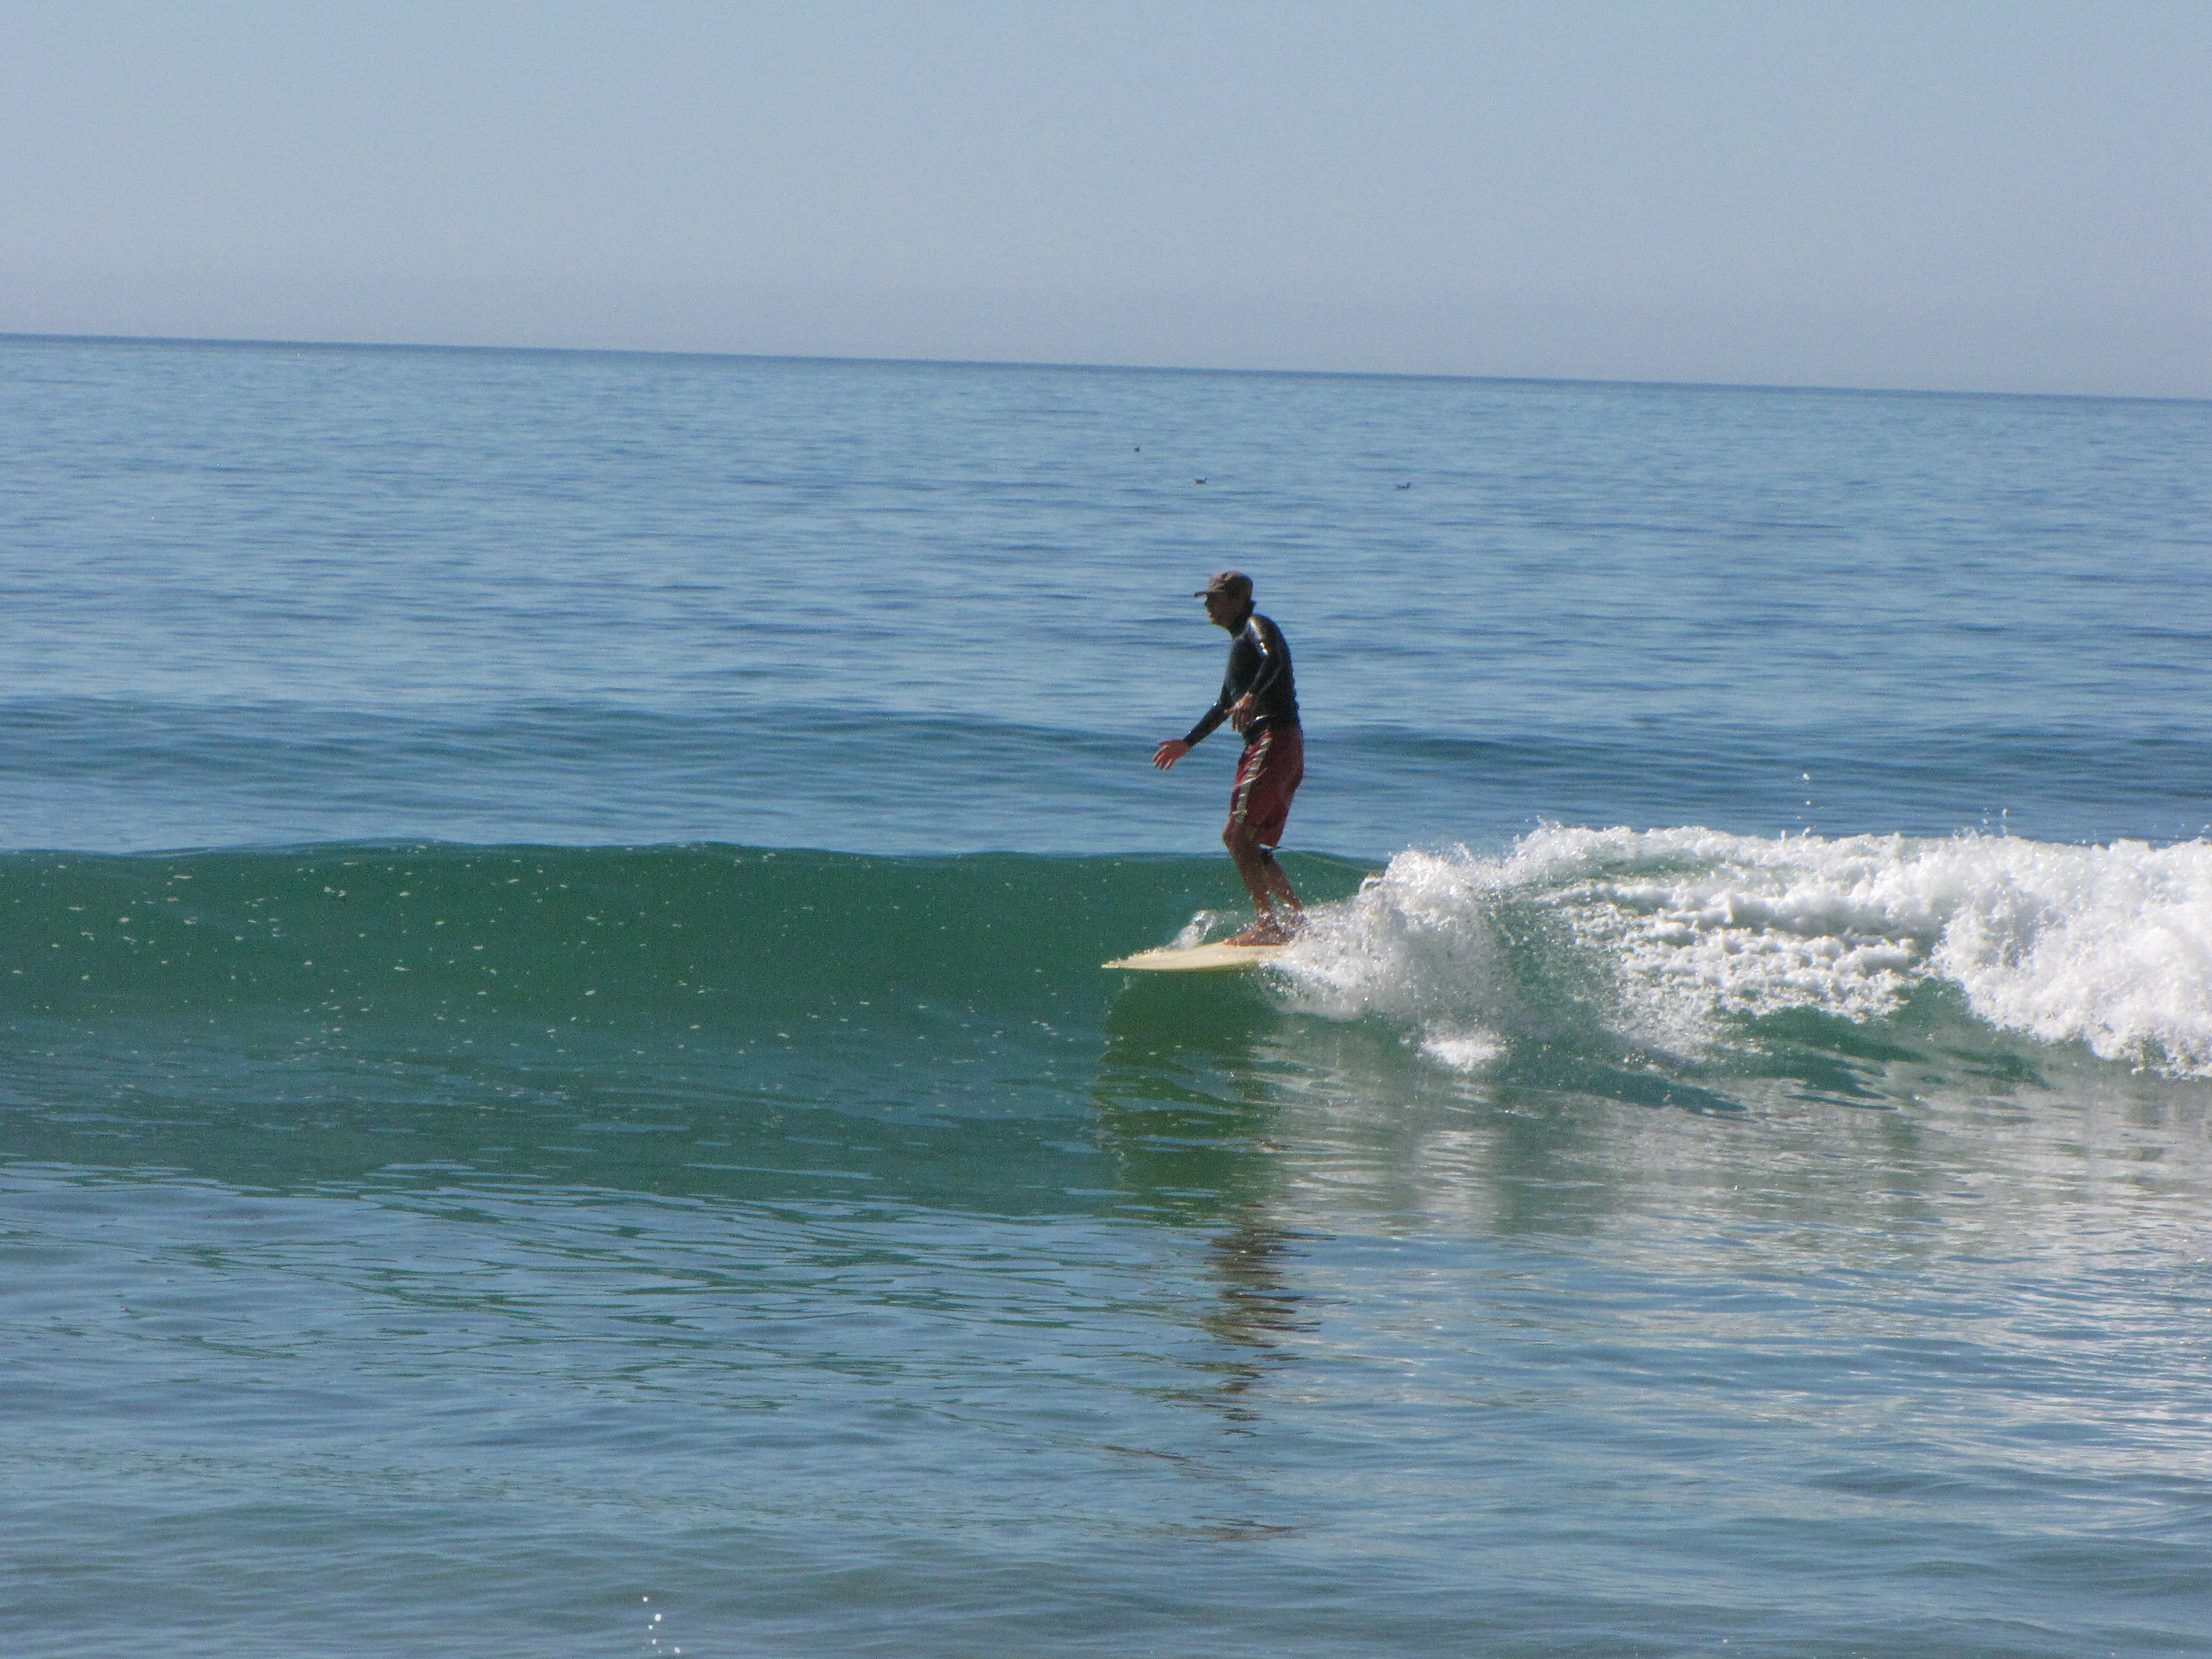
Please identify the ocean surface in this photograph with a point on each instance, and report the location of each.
(557, 1097)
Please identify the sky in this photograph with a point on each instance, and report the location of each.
(1971, 195)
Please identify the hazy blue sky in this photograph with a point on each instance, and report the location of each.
(2007, 195)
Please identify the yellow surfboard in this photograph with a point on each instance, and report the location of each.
(1200, 959)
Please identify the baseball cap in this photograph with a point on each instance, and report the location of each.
(1235, 583)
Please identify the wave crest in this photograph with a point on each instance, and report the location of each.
(1670, 938)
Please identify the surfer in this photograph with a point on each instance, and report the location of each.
(1260, 703)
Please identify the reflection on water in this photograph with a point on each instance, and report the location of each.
(1923, 1186)
(1259, 1311)
(1867, 1131)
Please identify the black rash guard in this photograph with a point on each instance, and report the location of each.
(1260, 663)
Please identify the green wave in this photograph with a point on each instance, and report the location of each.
(742, 937)
(432, 978)
(701, 1021)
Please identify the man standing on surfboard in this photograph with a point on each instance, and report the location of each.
(1260, 701)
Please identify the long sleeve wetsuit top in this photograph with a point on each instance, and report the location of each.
(1260, 663)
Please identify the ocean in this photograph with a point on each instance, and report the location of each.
(558, 1097)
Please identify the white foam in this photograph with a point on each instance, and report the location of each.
(1660, 936)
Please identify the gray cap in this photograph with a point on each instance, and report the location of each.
(1235, 583)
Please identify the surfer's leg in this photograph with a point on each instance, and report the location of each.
(1264, 880)
(1279, 884)
(1259, 808)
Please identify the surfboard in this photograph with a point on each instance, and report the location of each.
(1199, 958)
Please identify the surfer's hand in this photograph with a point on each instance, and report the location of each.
(1241, 713)
(1170, 752)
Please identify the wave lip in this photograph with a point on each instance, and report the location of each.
(1670, 939)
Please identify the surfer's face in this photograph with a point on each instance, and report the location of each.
(1224, 610)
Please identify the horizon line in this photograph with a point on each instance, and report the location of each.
(8, 335)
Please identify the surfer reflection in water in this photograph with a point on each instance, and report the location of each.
(1260, 701)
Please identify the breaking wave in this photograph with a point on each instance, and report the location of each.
(1673, 938)
(1667, 942)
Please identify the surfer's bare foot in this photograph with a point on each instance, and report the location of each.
(1260, 932)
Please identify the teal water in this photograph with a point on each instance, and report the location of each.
(557, 1096)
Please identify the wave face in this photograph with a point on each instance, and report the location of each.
(1683, 939)
(1679, 944)
(439, 939)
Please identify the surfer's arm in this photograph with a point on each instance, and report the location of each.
(1236, 689)
(1247, 660)
(1175, 748)
(1211, 718)
(1273, 656)
(1269, 668)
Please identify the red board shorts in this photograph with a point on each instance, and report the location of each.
(1273, 767)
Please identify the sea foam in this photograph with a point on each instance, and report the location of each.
(1667, 938)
